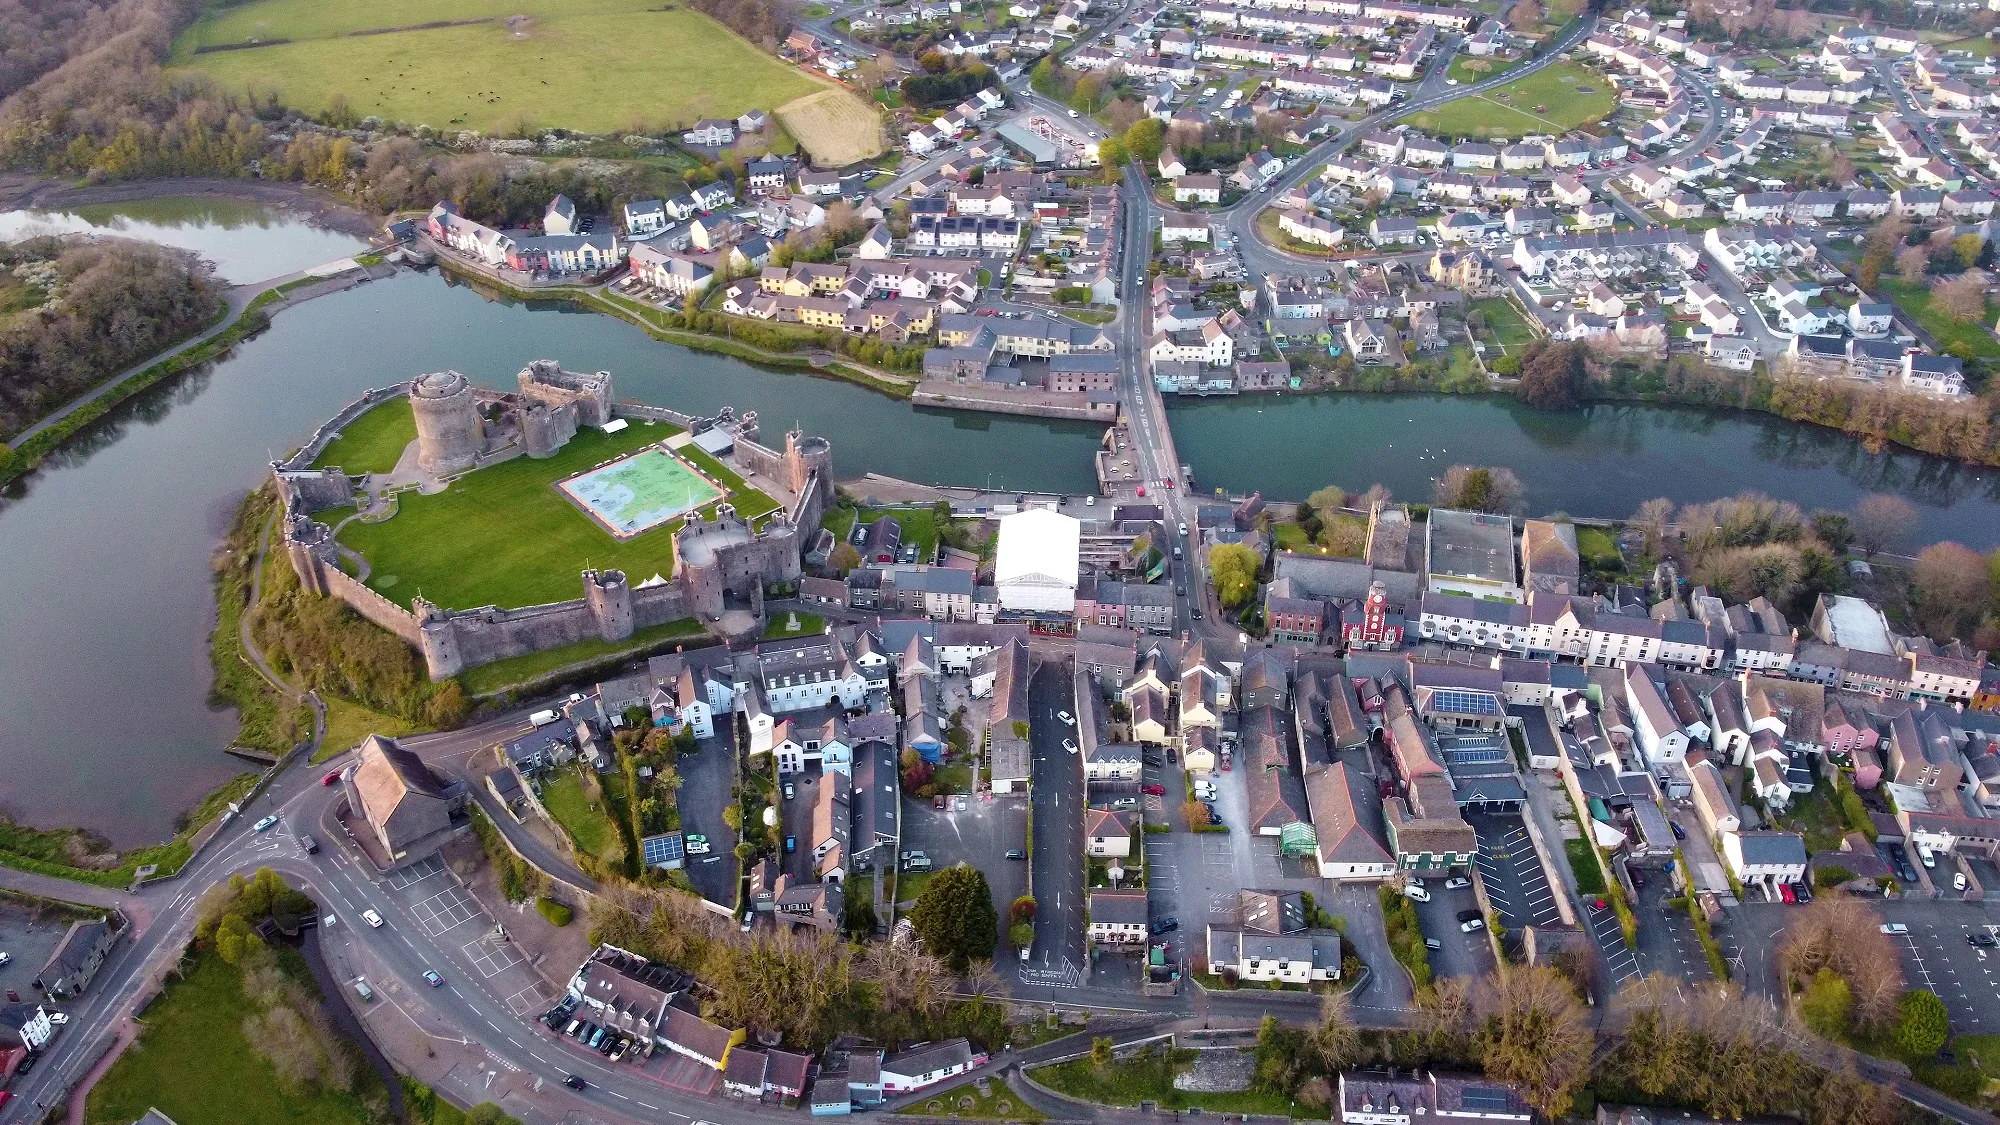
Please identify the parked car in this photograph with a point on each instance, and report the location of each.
(1958, 881)
(1069, 745)
(1895, 928)
(1068, 720)
(1785, 893)
(1153, 790)
(1456, 881)
(362, 990)
(1679, 832)
(1017, 854)
(1416, 893)
(1471, 913)
(1166, 925)
(1471, 925)
(789, 791)
(791, 844)
(1982, 939)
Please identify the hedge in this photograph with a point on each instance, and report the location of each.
(557, 914)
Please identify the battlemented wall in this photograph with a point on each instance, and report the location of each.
(717, 561)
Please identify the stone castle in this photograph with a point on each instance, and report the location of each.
(722, 565)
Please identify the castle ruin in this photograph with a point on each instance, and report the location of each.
(721, 563)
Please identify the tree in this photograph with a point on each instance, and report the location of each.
(1922, 1023)
(1196, 814)
(1968, 247)
(1144, 140)
(1525, 16)
(1653, 517)
(1912, 263)
(1535, 1035)
(1962, 297)
(1882, 521)
(1552, 375)
(1100, 1052)
(1950, 584)
(1336, 1037)
(955, 917)
(1327, 501)
(1232, 567)
(1828, 1006)
(234, 938)
(1112, 157)
(1833, 529)
(1021, 934)
(1840, 169)
(1479, 488)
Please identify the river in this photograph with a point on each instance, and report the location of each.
(246, 241)
(106, 603)
(1600, 461)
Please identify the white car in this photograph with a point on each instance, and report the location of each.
(1068, 720)
(1451, 81)
(1069, 746)
(5, 957)
(1072, 113)
(58, 1018)
(372, 918)
(1456, 881)
(1416, 894)
(1471, 925)
(1895, 928)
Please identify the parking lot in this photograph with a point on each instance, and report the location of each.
(1667, 941)
(706, 777)
(1460, 954)
(1512, 872)
(1620, 965)
(981, 835)
(1936, 956)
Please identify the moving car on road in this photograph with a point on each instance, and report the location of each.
(431, 978)
(372, 918)
(265, 823)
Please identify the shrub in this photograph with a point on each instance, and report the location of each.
(558, 914)
(1922, 1024)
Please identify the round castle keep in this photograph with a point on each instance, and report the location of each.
(450, 435)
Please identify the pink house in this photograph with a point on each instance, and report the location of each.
(1867, 769)
(1849, 730)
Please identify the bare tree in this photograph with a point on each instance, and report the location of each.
(1962, 297)
(1951, 585)
(1535, 1035)
(1882, 521)
(1912, 263)
(1653, 517)
(1336, 1037)
(1843, 934)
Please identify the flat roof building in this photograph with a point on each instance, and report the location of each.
(1470, 553)
(1035, 566)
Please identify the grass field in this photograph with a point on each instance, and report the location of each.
(1510, 110)
(1149, 1077)
(505, 535)
(600, 66)
(193, 1062)
(1916, 300)
(348, 723)
(833, 125)
(1467, 69)
(1505, 323)
(373, 442)
(589, 826)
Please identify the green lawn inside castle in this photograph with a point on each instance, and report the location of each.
(508, 534)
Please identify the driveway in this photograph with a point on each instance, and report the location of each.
(706, 778)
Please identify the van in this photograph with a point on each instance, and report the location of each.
(362, 990)
(541, 719)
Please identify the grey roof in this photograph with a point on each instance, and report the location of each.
(1118, 907)
(1772, 848)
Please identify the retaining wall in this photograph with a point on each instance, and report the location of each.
(995, 400)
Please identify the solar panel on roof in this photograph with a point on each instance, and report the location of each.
(656, 850)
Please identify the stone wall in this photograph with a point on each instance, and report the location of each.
(371, 605)
(330, 429)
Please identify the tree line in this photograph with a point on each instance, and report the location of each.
(113, 303)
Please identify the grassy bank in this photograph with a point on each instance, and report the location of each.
(194, 1062)
(33, 451)
(1149, 1077)
(56, 851)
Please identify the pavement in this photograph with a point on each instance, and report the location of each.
(1056, 960)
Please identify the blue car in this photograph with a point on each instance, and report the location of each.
(264, 823)
(791, 844)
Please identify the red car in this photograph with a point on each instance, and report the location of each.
(329, 779)
(1155, 790)
(1785, 892)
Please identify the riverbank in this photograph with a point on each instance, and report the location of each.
(312, 205)
(816, 362)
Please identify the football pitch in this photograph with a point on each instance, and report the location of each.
(635, 494)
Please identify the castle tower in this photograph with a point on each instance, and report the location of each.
(804, 455)
(439, 643)
(305, 542)
(450, 434)
(610, 599)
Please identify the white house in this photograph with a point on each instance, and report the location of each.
(1765, 859)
